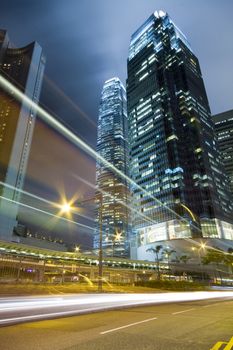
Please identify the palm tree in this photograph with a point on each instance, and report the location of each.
(156, 251)
(228, 259)
(214, 256)
(184, 259)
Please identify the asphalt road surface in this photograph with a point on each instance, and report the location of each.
(24, 309)
(195, 325)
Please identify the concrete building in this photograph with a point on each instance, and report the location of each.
(182, 190)
(23, 67)
(112, 196)
(224, 131)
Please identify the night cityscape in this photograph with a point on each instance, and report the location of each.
(116, 175)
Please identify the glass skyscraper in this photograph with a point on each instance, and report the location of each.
(23, 67)
(182, 190)
(112, 195)
(224, 132)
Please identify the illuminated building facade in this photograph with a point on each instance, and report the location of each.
(173, 153)
(24, 68)
(224, 132)
(112, 196)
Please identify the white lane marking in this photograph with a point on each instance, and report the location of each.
(128, 325)
(211, 305)
(223, 302)
(180, 312)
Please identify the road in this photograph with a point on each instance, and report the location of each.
(195, 325)
(24, 309)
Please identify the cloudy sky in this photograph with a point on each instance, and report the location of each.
(86, 42)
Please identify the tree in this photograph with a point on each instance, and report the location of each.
(168, 253)
(228, 259)
(156, 251)
(214, 256)
(184, 258)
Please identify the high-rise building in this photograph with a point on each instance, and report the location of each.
(224, 132)
(112, 195)
(182, 190)
(23, 67)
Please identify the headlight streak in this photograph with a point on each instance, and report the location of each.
(49, 119)
(68, 99)
(53, 204)
(146, 218)
(190, 240)
(11, 89)
(47, 213)
(90, 303)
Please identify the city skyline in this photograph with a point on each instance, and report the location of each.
(116, 212)
(46, 157)
(89, 48)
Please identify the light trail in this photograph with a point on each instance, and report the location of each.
(53, 204)
(190, 240)
(47, 213)
(48, 118)
(71, 102)
(56, 205)
(147, 218)
(50, 214)
(17, 310)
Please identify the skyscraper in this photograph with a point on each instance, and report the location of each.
(224, 132)
(173, 153)
(112, 195)
(23, 67)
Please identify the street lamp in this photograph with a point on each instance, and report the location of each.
(116, 238)
(77, 249)
(69, 208)
(65, 208)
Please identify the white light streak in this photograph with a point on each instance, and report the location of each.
(47, 213)
(49, 119)
(53, 204)
(89, 303)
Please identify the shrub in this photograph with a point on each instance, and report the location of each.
(171, 285)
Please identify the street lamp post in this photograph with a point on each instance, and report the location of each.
(100, 280)
(66, 208)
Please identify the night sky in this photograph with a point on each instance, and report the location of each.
(86, 42)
